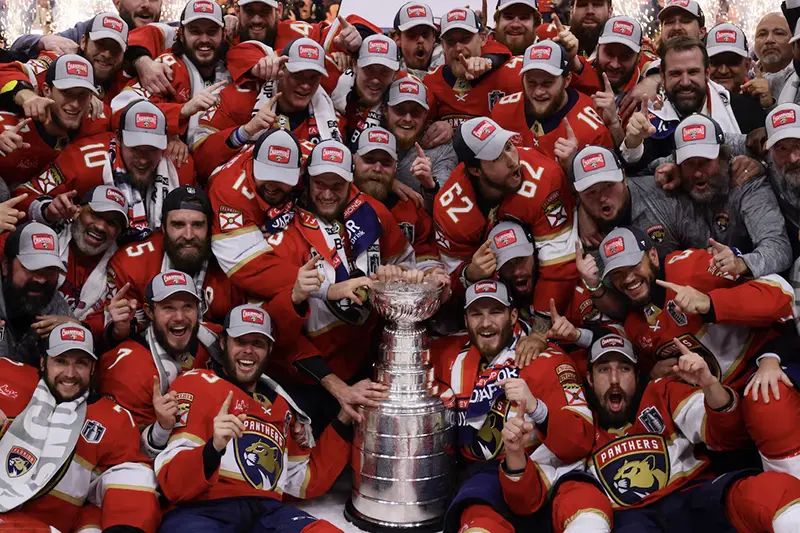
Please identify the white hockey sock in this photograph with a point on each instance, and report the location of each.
(590, 522)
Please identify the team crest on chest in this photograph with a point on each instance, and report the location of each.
(19, 461)
(259, 453)
(632, 468)
(488, 442)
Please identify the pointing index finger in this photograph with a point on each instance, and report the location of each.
(121, 293)
(521, 409)
(226, 404)
(668, 285)
(156, 387)
(557, 21)
(553, 311)
(681, 347)
(570, 133)
(11, 202)
(607, 84)
(420, 151)
(22, 124)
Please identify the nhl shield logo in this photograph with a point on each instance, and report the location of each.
(19, 461)
(632, 468)
(259, 453)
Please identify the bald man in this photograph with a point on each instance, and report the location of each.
(773, 50)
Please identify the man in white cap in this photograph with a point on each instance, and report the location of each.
(515, 23)
(139, 370)
(290, 97)
(481, 381)
(50, 119)
(244, 444)
(789, 93)
(31, 267)
(494, 181)
(548, 111)
(476, 74)
(132, 159)
(783, 156)
(682, 17)
(96, 462)
(415, 35)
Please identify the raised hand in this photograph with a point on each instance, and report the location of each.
(34, 106)
(566, 38)
(421, 168)
(587, 267)
(354, 289)
(516, 434)
(165, 405)
(605, 102)
(122, 311)
(264, 119)
(639, 126)
(562, 329)
(566, 149)
(203, 100)
(692, 368)
(269, 67)
(227, 426)
(483, 264)
(517, 390)
(348, 39)
(759, 87)
(11, 140)
(309, 279)
(688, 299)
(10, 215)
(46, 323)
(61, 208)
(474, 67)
(154, 76)
(668, 176)
(725, 260)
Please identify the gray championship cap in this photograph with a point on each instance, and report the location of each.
(202, 9)
(377, 139)
(144, 125)
(462, 18)
(726, 38)
(106, 199)
(270, 3)
(379, 50)
(503, 4)
(622, 30)
(612, 343)
(109, 26)
(593, 165)
(277, 158)
(507, 241)
(783, 123)
(166, 284)
(487, 288)
(70, 336)
(331, 156)
(697, 136)
(408, 90)
(480, 138)
(305, 54)
(689, 6)
(71, 71)
(36, 247)
(623, 247)
(244, 319)
(546, 55)
(413, 14)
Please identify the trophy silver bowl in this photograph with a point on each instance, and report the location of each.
(401, 468)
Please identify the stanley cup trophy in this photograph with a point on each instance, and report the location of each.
(401, 469)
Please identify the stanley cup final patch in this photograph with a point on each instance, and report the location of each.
(93, 431)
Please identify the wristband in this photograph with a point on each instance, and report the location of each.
(158, 436)
(539, 415)
(592, 289)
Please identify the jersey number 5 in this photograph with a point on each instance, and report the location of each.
(449, 196)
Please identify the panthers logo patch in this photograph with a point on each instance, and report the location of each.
(19, 461)
(259, 454)
(488, 442)
(632, 468)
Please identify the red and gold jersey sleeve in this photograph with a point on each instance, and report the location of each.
(126, 373)
(417, 225)
(459, 225)
(17, 383)
(155, 38)
(33, 71)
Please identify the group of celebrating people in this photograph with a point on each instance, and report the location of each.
(193, 214)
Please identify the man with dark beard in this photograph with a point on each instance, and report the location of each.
(515, 24)
(783, 157)
(415, 35)
(31, 267)
(682, 18)
(139, 371)
(586, 21)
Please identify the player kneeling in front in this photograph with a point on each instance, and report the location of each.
(241, 443)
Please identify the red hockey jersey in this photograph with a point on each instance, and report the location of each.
(417, 225)
(551, 378)
(731, 343)
(640, 463)
(585, 122)
(107, 468)
(543, 202)
(589, 81)
(265, 462)
(79, 268)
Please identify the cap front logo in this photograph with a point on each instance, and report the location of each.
(380, 137)
(541, 52)
(409, 87)
(378, 47)
(614, 246)
(77, 68)
(252, 316)
(456, 15)
(694, 132)
(146, 121)
(622, 27)
(308, 51)
(485, 286)
(115, 196)
(593, 162)
(784, 117)
(334, 155)
(681, 3)
(73, 334)
(505, 238)
(415, 12)
(725, 36)
(112, 24)
(611, 341)
(203, 7)
(483, 130)
(43, 241)
(174, 278)
(279, 154)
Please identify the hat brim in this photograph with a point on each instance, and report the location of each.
(524, 249)
(460, 26)
(38, 261)
(139, 138)
(619, 40)
(613, 349)
(317, 170)
(385, 61)
(265, 172)
(706, 151)
(629, 259)
(373, 147)
(72, 83)
(271, 3)
(177, 289)
(517, 3)
(64, 349)
(484, 296)
(495, 147)
(220, 23)
(300, 65)
(787, 133)
(239, 331)
(546, 67)
(722, 49)
(607, 176)
(663, 12)
(108, 34)
(413, 24)
(405, 97)
(101, 206)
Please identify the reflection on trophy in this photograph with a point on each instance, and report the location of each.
(401, 471)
